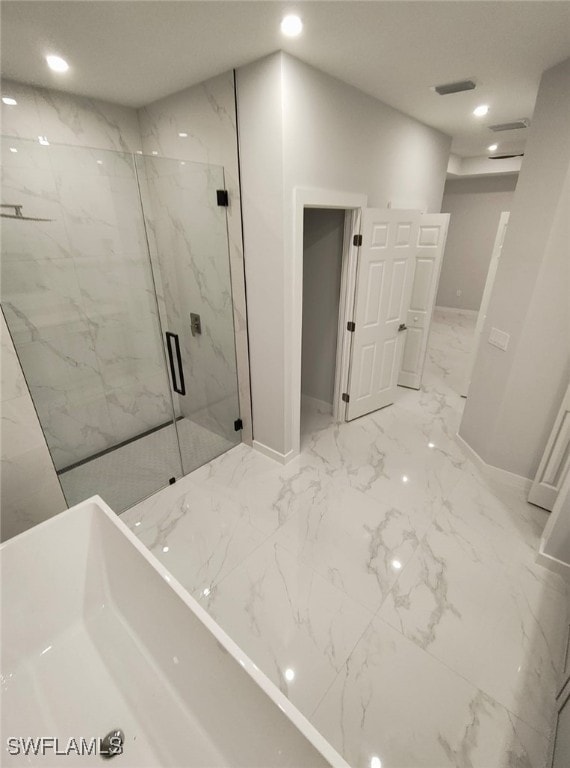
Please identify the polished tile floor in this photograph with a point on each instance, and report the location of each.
(385, 586)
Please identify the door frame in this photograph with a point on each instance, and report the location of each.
(307, 197)
(349, 269)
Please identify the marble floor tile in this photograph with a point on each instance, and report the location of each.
(357, 542)
(379, 580)
(395, 706)
(198, 535)
(266, 493)
(296, 626)
(495, 624)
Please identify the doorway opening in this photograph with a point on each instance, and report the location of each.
(323, 246)
(368, 282)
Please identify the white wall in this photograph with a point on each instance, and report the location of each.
(336, 137)
(301, 128)
(514, 395)
(323, 232)
(475, 206)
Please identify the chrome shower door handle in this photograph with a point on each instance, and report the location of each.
(177, 381)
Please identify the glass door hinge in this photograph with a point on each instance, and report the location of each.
(223, 197)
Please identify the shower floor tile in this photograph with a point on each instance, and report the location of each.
(138, 469)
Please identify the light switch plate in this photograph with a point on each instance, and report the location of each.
(499, 338)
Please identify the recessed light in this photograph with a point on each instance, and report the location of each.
(57, 63)
(493, 147)
(289, 674)
(13, 149)
(183, 135)
(292, 26)
(43, 141)
(481, 110)
(154, 152)
(396, 564)
(9, 101)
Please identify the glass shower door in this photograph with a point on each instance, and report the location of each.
(79, 299)
(188, 242)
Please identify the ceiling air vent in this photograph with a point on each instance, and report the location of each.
(524, 123)
(462, 85)
(505, 157)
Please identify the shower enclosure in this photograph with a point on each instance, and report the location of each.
(116, 290)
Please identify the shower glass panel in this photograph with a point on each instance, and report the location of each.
(79, 298)
(188, 242)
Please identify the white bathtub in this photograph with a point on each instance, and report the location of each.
(97, 635)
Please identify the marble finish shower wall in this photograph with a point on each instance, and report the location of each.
(30, 491)
(67, 119)
(206, 113)
(188, 240)
(78, 291)
(78, 296)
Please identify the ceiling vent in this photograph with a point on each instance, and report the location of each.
(505, 157)
(524, 123)
(462, 85)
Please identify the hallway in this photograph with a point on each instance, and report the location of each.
(386, 587)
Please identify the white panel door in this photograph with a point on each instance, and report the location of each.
(386, 263)
(555, 463)
(432, 234)
(481, 317)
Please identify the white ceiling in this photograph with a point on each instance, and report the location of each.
(133, 52)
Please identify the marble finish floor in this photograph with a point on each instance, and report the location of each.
(387, 588)
(135, 470)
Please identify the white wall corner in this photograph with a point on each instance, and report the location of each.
(282, 458)
(491, 472)
(454, 165)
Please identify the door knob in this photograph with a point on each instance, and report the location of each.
(402, 327)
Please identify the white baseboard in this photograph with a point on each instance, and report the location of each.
(492, 472)
(552, 563)
(459, 310)
(282, 458)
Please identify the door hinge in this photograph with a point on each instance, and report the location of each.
(223, 197)
(345, 397)
(238, 424)
(350, 326)
(357, 240)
